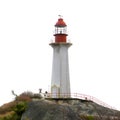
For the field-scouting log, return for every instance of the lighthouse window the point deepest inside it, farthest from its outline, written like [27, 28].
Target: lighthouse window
[60, 30]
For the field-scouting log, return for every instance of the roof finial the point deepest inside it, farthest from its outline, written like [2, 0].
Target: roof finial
[60, 16]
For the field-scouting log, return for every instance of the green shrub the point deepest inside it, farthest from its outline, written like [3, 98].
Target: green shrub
[19, 109]
[16, 112]
[90, 117]
[8, 116]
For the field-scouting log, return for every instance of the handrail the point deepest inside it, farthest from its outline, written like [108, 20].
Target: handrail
[91, 98]
[83, 97]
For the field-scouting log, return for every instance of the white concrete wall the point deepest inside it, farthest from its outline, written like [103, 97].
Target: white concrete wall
[60, 84]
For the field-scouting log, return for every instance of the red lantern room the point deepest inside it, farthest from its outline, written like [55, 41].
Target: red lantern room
[60, 31]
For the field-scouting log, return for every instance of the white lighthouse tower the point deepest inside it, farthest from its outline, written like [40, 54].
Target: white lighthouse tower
[60, 83]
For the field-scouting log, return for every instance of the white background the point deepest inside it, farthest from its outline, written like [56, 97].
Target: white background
[26, 29]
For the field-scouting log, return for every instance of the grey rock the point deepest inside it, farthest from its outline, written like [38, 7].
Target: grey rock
[64, 109]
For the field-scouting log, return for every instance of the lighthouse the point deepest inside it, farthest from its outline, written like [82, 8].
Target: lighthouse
[60, 83]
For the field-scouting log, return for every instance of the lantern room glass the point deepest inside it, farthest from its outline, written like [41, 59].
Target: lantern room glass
[60, 30]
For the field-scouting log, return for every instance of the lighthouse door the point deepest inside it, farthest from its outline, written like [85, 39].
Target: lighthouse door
[55, 92]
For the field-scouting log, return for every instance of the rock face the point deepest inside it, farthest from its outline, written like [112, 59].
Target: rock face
[64, 109]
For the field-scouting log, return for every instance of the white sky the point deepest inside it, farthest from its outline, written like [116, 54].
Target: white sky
[26, 28]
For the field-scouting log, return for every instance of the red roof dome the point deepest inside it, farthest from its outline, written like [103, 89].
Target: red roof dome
[60, 23]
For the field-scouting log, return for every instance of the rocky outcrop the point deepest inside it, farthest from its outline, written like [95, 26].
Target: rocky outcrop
[65, 109]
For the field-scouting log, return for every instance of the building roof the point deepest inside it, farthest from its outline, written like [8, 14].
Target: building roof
[60, 23]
